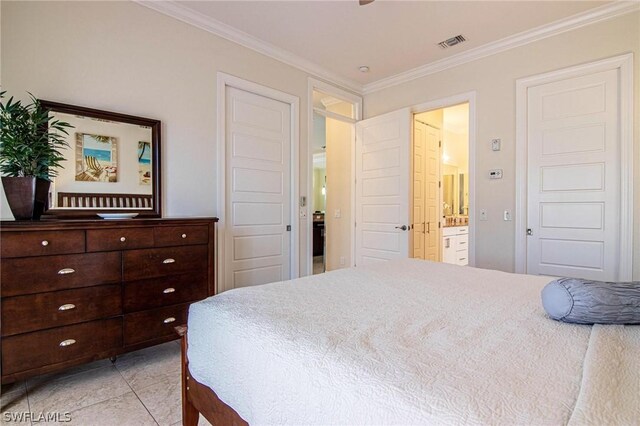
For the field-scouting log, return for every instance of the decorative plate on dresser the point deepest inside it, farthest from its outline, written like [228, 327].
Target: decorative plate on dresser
[77, 291]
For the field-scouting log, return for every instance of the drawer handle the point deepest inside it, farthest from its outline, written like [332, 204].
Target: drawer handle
[184, 235]
[168, 290]
[462, 242]
[44, 243]
[169, 260]
[463, 258]
[67, 307]
[123, 239]
[65, 271]
[169, 320]
[67, 342]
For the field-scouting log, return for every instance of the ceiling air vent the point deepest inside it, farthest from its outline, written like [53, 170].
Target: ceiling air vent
[451, 41]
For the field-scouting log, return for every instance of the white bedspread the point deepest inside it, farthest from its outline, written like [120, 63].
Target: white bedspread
[410, 342]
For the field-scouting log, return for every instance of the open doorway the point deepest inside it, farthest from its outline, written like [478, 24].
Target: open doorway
[319, 198]
[440, 190]
[331, 200]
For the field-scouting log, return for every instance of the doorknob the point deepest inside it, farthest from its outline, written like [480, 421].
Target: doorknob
[402, 228]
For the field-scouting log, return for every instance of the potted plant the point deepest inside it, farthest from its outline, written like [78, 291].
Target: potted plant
[30, 152]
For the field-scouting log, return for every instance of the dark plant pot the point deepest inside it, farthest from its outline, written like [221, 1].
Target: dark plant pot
[27, 196]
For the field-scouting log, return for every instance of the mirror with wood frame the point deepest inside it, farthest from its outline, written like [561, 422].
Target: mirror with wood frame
[112, 164]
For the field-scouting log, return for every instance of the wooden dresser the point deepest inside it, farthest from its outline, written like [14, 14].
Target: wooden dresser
[77, 291]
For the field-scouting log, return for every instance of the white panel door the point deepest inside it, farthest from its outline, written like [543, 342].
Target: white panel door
[573, 177]
[382, 187]
[418, 229]
[258, 189]
[433, 207]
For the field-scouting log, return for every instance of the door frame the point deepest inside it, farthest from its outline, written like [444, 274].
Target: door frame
[470, 98]
[225, 81]
[306, 222]
[624, 65]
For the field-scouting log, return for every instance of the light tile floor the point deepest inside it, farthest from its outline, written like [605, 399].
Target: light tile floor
[318, 265]
[141, 388]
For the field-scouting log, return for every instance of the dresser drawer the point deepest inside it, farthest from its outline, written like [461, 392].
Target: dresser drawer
[460, 230]
[22, 244]
[157, 323]
[180, 235]
[462, 242]
[22, 314]
[40, 348]
[154, 293]
[448, 231]
[38, 274]
[119, 239]
[149, 263]
[462, 258]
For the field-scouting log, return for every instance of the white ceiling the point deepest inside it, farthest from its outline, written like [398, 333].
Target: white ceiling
[389, 36]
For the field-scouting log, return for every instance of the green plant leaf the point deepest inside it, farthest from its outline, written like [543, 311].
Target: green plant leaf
[30, 139]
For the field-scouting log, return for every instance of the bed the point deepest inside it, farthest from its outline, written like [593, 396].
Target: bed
[404, 342]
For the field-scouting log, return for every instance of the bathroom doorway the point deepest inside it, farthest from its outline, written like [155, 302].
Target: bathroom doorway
[440, 185]
[331, 199]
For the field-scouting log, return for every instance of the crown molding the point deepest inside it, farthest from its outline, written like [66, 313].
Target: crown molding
[183, 13]
[573, 22]
[178, 11]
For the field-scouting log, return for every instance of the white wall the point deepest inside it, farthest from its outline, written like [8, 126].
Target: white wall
[319, 133]
[493, 78]
[455, 136]
[455, 147]
[123, 57]
[434, 118]
[339, 163]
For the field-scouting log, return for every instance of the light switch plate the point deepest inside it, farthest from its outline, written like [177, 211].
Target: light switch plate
[483, 214]
[495, 174]
[303, 213]
[495, 144]
[507, 215]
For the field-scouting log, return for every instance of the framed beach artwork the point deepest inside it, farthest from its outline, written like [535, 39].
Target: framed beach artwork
[144, 163]
[96, 158]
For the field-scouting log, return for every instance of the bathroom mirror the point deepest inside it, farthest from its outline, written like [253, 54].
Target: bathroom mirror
[112, 164]
[448, 195]
[463, 194]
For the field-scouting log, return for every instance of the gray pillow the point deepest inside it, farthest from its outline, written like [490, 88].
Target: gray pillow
[592, 302]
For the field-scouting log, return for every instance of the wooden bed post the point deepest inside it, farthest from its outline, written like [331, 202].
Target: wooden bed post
[190, 413]
[199, 399]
